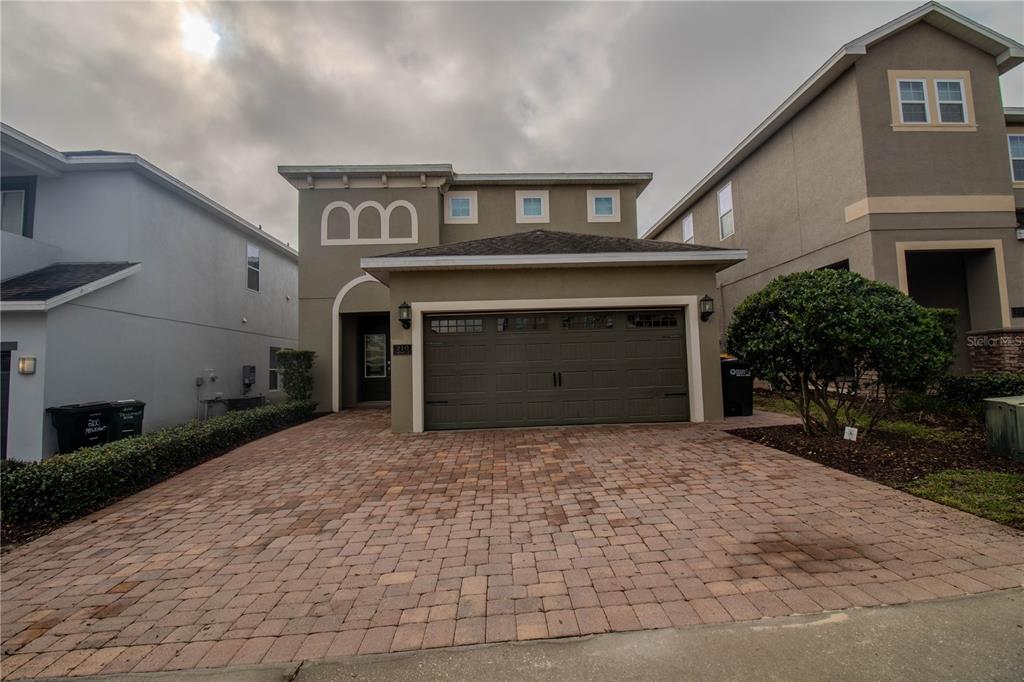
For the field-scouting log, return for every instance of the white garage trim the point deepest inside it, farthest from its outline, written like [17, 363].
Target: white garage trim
[689, 303]
[335, 338]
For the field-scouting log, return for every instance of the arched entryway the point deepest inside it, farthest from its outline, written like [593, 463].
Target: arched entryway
[364, 302]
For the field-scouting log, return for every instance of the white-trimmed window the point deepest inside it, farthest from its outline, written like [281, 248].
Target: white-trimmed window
[688, 228]
[12, 213]
[950, 97]
[532, 206]
[913, 100]
[273, 379]
[460, 208]
[252, 267]
[726, 224]
[1016, 157]
[603, 206]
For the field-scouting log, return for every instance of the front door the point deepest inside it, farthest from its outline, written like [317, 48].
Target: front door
[374, 360]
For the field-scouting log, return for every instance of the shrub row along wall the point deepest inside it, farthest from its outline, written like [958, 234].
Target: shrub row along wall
[68, 486]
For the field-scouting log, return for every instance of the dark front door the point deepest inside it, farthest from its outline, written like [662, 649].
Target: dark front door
[374, 359]
[573, 367]
[5, 399]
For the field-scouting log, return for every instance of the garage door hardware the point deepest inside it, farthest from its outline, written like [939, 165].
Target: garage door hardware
[556, 378]
[669, 395]
[437, 402]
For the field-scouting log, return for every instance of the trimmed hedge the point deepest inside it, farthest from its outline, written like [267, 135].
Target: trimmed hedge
[68, 486]
[968, 391]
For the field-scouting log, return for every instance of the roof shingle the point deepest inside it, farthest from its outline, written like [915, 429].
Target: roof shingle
[54, 280]
[537, 242]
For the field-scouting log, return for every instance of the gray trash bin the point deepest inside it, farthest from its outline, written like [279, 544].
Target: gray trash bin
[1004, 426]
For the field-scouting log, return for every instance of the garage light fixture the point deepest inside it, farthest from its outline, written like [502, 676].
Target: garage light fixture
[707, 308]
[27, 364]
[405, 315]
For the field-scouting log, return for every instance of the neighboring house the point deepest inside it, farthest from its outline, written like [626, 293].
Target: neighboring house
[474, 300]
[891, 160]
[120, 282]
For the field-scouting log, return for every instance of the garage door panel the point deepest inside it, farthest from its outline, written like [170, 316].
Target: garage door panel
[497, 370]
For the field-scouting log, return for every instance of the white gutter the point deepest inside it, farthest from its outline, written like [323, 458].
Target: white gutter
[42, 306]
[385, 264]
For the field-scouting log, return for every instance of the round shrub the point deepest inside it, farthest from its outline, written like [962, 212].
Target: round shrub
[839, 345]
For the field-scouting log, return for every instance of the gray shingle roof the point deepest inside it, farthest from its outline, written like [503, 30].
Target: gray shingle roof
[54, 280]
[537, 242]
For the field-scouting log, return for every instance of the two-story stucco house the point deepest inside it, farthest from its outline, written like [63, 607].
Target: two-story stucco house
[477, 300]
[892, 160]
[121, 282]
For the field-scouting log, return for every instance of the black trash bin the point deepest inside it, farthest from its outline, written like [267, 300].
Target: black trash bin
[737, 388]
[81, 425]
[127, 420]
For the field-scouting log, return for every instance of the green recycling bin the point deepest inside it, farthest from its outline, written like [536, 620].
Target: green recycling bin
[127, 418]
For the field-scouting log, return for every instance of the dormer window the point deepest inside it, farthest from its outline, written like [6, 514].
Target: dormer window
[460, 208]
[603, 206]
[532, 206]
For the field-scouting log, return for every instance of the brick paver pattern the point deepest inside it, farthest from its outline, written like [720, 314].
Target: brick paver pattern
[338, 537]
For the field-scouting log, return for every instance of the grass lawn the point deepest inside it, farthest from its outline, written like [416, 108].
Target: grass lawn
[990, 494]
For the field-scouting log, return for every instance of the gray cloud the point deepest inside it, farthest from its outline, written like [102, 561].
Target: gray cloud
[664, 87]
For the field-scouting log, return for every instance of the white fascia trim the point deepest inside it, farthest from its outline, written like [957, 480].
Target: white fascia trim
[690, 305]
[42, 306]
[422, 262]
[816, 84]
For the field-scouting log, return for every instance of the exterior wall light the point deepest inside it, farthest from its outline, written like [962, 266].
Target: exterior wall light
[27, 364]
[707, 308]
[405, 315]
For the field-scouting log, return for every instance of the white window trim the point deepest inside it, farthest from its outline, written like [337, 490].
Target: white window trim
[593, 195]
[962, 102]
[258, 268]
[927, 109]
[692, 238]
[732, 200]
[545, 215]
[471, 219]
[274, 370]
[1009, 149]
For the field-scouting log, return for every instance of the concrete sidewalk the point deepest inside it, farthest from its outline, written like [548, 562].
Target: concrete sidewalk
[969, 638]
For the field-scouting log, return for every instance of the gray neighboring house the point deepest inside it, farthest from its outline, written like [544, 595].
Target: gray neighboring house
[121, 282]
[896, 160]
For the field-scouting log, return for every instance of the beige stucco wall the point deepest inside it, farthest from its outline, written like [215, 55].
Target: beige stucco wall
[566, 283]
[900, 163]
[789, 195]
[496, 213]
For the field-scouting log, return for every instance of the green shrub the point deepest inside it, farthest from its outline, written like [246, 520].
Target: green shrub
[68, 486]
[296, 367]
[839, 345]
[969, 391]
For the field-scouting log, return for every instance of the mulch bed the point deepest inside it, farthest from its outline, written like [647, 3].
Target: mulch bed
[892, 459]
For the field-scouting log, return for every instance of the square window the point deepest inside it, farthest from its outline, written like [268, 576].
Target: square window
[533, 207]
[913, 105]
[604, 206]
[460, 207]
[950, 95]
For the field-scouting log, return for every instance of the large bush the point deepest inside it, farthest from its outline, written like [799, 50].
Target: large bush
[68, 486]
[839, 345]
[296, 367]
[969, 391]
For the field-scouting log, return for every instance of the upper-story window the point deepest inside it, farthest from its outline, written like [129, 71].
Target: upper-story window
[16, 203]
[252, 266]
[913, 102]
[603, 206]
[1017, 157]
[688, 228]
[931, 100]
[726, 225]
[532, 207]
[950, 97]
[460, 208]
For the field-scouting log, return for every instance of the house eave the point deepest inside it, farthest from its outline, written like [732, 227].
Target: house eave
[77, 292]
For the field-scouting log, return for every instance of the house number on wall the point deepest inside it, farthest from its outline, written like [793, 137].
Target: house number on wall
[401, 349]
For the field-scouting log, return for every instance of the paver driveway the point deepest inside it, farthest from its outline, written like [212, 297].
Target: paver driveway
[337, 537]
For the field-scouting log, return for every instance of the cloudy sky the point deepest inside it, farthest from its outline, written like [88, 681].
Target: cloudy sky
[219, 94]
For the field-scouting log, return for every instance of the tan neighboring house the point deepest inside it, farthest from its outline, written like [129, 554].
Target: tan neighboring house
[897, 160]
[479, 300]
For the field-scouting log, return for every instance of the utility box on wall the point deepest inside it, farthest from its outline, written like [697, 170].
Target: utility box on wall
[1004, 426]
[248, 377]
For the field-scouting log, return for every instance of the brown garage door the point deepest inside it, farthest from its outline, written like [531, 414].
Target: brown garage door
[576, 367]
